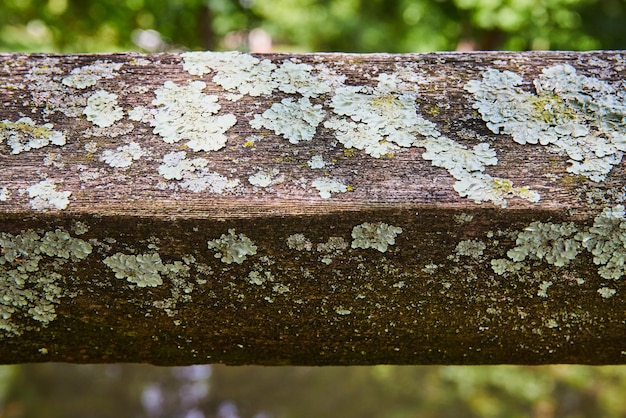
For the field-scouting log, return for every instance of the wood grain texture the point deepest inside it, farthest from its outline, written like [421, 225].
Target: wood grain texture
[310, 293]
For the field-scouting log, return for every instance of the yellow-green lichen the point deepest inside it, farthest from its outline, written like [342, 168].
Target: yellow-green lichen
[582, 117]
[25, 134]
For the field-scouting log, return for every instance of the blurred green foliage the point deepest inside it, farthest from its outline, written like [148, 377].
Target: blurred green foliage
[310, 25]
[112, 391]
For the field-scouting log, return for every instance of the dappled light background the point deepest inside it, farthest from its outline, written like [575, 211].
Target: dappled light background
[142, 391]
[310, 25]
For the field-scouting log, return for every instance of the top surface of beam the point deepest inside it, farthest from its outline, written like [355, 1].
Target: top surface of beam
[205, 134]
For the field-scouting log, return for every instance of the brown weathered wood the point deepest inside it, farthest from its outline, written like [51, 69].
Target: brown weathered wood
[507, 280]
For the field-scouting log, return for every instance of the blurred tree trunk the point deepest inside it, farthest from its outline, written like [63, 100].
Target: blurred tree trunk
[205, 26]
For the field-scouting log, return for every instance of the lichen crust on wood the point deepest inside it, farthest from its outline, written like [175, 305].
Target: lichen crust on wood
[313, 209]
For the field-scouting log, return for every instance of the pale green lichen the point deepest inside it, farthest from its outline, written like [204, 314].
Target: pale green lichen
[233, 71]
[606, 292]
[44, 195]
[554, 243]
[186, 113]
[502, 265]
[299, 242]
[232, 248]
[299, 78]
[144, 270]
[559, 244]
[28, 289]
[259, 278]
[295, 120]
[606, 240]
[378, 121]
[60, 243]
[102, 109]
[25, 134]
[580, 116]
[248, 75]
[332, 248]
[377, 235]
[471, 248]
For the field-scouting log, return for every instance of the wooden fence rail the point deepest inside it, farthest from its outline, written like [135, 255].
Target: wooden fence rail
[321, 209]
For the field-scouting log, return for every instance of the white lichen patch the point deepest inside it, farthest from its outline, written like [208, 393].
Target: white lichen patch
[580, 116]
[248, 75]
[326, 186]
[316, 162]
[377, 235]
[25, 134]
[543, 289]
[143, 270]
[378, 121]
[89, 75]
[232, 248]
[176, 165]
[193, 174]
[185, 113]
[295, 120]
[102, 109]
[29, 284]
[233, 71]
[44, 195]
[205, 180]
[265, 178]
[5, 194]
[123, 156]
[140, 114]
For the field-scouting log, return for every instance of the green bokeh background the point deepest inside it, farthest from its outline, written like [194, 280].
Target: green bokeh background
[308, 25]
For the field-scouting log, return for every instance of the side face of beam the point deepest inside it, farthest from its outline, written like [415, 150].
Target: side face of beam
[312, 209]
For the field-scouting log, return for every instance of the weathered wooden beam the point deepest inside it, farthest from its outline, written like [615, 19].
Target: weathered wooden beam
[313, 209]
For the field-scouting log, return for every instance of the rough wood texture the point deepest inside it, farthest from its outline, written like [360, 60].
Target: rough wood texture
[313, 209]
